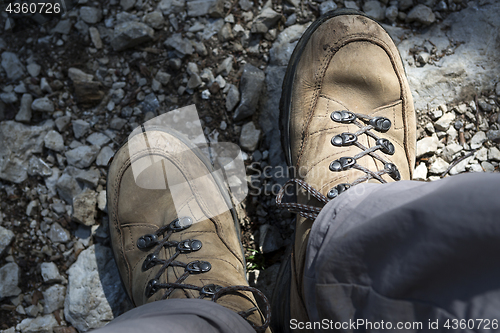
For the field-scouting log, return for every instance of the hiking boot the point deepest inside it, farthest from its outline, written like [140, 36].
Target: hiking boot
[347, 117]
[169, 235]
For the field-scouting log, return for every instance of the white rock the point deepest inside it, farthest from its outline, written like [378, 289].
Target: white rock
[420, 172]
[95, 36]
[33, 69]
[374, 9]
[42, 104]
[76, 74]
[50, 273]
[83, 156]
[427, 145]
[249, 137]
[43, 324]
[102, 200]
[12, 66]
[53, 140]
[84, 207]
[478, 139]
[54, 298]
[98, 139]
[6, 237]
[444, 122]
[488, 167]
[482, 154]
[94, 290]
[90, 15]
[439, 166]
[327, 6]
[460, 167]
[104, 156]
[476, 168]
[9, 279]
[58, 234]
[494, 154]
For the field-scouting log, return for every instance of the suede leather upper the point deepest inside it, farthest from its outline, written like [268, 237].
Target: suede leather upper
[135, 211]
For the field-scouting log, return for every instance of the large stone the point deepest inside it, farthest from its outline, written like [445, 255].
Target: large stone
[439, 166]
[50, 273]
[130, 34]
[95, 294]
[83, 156]
[42, 104]
[422, 14]
[127, 4]
[6, 237]
[80, 128]
[478, 139]
[232, 98]
[54, 298]
[104, 156]
[42, 324]
[269, 116]
[18, 142]
[76, 74]
[225, 67]
[168, 7]
[471, 66]
[374, 9]
[265, 20]
[90, 15]
[154, 19]
[251, 85]
[12, 66]
[249, 137]
[53, 140]
[420, 172]
[63, 27]
[427, 145]
[84, 207]
[58, 234]
[444, 122]
[9, 279]
[199, 7]
[98, 139]
[181, 45]
[283, 47]
[24, 114]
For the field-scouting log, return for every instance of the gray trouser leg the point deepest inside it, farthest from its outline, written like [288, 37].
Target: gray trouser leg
[178, 316]
[408, 252]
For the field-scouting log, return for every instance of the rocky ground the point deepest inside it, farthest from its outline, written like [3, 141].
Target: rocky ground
[74, 87]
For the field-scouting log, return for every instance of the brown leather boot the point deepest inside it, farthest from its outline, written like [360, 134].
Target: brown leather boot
[347, 117]
[170, 236]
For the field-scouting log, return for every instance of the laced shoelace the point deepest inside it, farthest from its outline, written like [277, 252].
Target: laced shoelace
[366, 124]
[212, 291]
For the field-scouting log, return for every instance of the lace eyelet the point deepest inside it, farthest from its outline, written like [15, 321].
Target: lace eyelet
[386, 146]
[344, 139]
[149, 262]
[335, 191]
[392, 171]
[189, 245]
[147, 241]
[151, 288]
[198, 266]
[344, 117]
[181, 224]
[380, 124]
[210, 289]
[342, 164]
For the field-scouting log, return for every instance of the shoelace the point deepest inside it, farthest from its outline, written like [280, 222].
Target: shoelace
[212, 291]
[379, 124]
